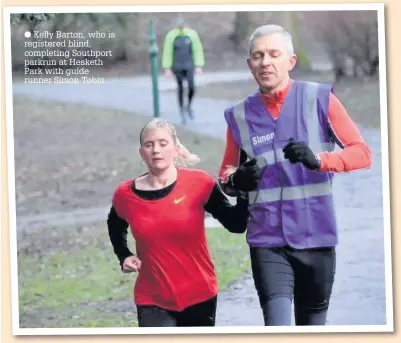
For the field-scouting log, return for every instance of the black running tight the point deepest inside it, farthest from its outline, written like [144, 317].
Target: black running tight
[189, 76]
[284, 274]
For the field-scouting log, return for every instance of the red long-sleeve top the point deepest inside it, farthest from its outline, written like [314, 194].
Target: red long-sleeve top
[355, 154]
[177, 270]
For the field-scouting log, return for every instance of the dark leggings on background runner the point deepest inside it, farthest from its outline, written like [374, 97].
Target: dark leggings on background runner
[180, 76]
[282, 274]
[202, 314]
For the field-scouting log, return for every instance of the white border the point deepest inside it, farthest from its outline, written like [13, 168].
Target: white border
[194, 8]
[2, 203]
[381, 25]
[11, 176]
[379, 7]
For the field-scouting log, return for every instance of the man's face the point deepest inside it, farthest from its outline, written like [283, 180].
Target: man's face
[270, 62]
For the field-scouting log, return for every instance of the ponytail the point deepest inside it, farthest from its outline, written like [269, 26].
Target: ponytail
[185, 157]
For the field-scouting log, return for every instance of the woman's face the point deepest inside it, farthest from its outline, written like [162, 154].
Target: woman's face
[158, 149]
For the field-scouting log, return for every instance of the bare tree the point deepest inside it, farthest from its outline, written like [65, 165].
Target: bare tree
[241, 29]
[350, 38]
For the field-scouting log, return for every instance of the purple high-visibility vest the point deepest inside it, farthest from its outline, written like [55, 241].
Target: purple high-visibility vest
[292, 204]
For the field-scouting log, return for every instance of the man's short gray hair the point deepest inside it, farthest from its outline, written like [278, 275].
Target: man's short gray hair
[266, 30]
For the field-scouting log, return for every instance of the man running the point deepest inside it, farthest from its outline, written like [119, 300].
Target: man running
[288, 129]
[183, 56]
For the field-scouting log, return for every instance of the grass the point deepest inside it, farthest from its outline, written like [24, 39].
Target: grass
[70, 277]
[70, 156]
[76, 274]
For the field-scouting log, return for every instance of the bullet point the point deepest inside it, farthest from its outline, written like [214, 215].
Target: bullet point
[27, 34]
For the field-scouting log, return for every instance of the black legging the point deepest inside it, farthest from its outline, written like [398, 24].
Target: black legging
[201, 314]
[180, 75]
[281, 274]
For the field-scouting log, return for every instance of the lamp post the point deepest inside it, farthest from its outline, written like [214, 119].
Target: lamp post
[153, 53]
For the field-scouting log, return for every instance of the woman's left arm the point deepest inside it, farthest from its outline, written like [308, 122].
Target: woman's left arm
[233, 217]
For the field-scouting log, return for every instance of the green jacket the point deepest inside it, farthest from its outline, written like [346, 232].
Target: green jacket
[182, 50]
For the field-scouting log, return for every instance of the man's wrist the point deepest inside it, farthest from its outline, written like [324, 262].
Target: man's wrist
[226, 187]
[318, 161]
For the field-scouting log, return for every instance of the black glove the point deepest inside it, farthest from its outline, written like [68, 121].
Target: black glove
[246, 177]
[299, 152]
[228, 188]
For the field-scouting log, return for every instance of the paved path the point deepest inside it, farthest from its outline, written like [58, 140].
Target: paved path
[359, 293]
[30, 223]
[134, 94]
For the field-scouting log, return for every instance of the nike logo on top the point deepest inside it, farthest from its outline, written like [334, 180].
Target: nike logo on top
[262, 139]
[176, 201]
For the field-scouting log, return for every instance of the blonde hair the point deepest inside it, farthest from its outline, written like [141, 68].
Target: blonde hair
[185, 157]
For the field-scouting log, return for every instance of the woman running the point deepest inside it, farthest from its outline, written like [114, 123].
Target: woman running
[165, 208]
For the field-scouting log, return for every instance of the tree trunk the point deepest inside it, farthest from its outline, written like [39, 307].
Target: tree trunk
[241, 28]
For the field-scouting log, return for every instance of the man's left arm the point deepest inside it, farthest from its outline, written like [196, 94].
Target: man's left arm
[197, 49]
[355, 153]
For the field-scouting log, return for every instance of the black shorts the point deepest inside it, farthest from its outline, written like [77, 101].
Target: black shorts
[201, 314]
[306, 276]
[187, 74]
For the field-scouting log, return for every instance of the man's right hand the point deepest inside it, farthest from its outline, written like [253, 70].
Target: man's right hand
[167, 72]
[246, 177]
[132, 264]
